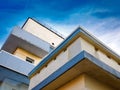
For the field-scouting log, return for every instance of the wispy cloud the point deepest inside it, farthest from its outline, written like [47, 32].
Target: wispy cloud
[112, 40]
[106, 29]
[100, 18]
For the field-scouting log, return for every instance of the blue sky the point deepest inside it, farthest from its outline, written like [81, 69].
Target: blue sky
[99, 17]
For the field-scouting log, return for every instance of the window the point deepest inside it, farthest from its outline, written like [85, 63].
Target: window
[29, 60]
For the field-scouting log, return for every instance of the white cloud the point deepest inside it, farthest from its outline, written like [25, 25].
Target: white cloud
[112, 40]
[64, 29]
[108, 31]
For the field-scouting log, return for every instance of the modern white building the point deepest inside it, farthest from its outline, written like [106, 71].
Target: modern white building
[22, 51]
[80, 62]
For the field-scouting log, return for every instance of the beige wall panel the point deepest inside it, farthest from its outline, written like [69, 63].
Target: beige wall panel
[93, 84]
[76, 84]
[85, 82]
[21, 53]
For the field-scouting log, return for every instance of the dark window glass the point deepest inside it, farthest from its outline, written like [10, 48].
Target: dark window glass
[29, 60]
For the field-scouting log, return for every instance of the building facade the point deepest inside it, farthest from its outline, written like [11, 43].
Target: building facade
[80, 62]
[22, 51]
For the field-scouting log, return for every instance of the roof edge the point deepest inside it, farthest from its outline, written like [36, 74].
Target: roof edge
[43, 26]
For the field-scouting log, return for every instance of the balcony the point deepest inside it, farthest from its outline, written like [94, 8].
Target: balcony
[13, 63]
[23, 39]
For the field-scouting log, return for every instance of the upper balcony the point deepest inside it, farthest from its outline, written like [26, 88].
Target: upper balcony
[23, 39]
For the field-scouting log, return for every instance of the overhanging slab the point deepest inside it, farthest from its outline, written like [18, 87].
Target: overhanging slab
[23, 39]
[82, 63]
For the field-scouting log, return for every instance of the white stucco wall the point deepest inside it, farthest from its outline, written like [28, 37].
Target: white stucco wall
[109, 61]
[85, 45]
[43, 33]
[74, 48]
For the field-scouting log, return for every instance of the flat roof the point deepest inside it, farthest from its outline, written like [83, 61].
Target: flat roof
[45, 26]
